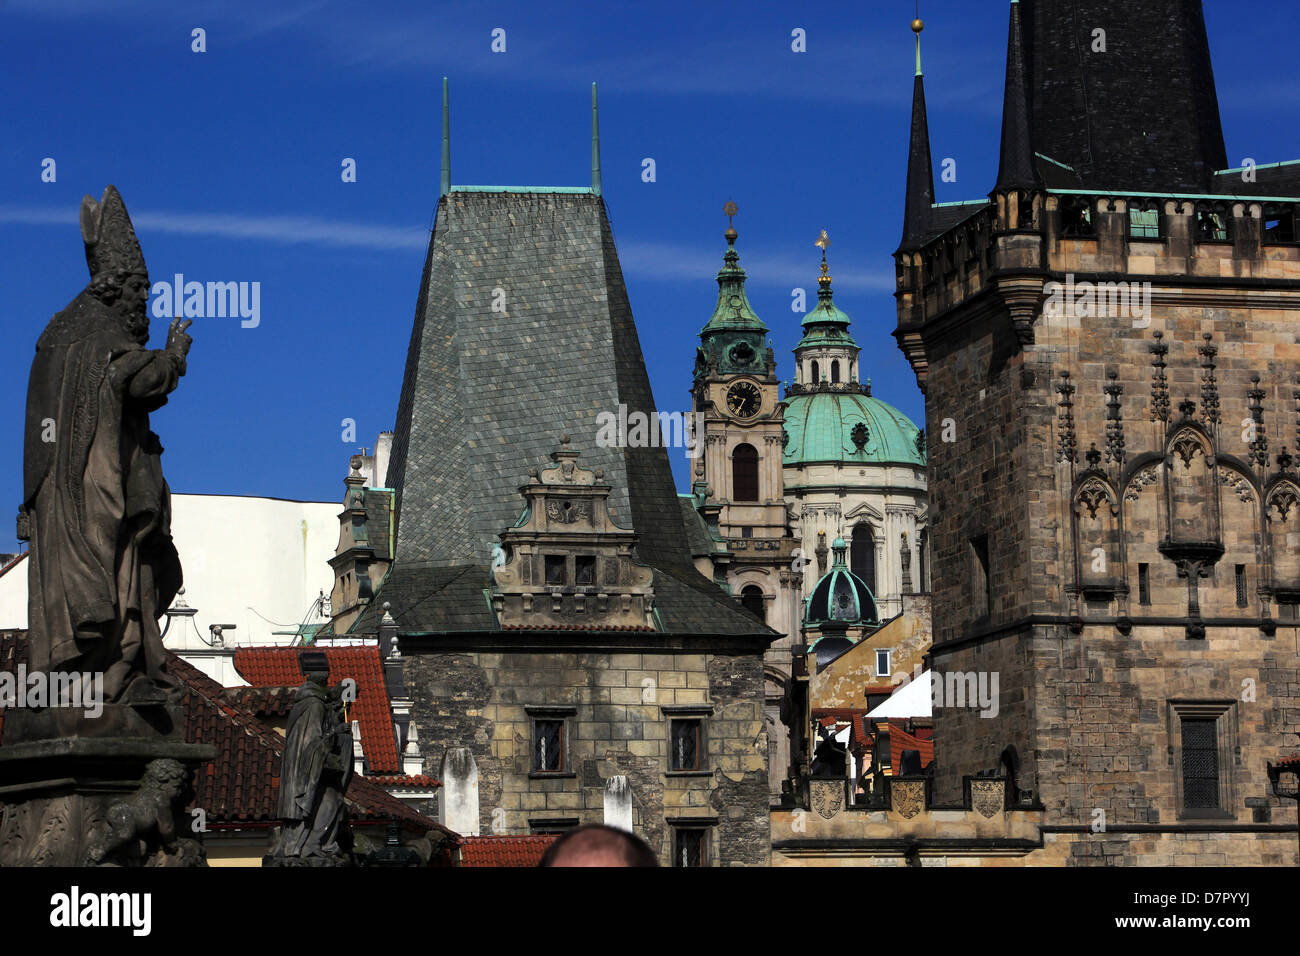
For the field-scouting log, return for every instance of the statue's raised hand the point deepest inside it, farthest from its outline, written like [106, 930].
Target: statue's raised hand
[177, 340]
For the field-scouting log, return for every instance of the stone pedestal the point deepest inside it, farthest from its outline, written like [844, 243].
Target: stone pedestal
[70, 782]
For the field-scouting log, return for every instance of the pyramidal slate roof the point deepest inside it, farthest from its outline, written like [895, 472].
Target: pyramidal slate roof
[1144, 114]
[523, 333]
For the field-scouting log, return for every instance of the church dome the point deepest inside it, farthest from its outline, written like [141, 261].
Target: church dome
[841, 595]
[848, 427]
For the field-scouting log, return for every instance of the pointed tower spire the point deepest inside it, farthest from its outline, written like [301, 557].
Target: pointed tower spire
[1016, 165]
[595, 143]
[920, 176]
[446, 142]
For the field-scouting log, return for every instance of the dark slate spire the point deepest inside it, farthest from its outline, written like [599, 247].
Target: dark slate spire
[523, 332]
[1142, 114]
[1016, 165]
[920, 176]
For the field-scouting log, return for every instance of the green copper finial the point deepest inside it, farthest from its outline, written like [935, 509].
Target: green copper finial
[595, 143]
[917, 26]
[733, 311]
[446, 142]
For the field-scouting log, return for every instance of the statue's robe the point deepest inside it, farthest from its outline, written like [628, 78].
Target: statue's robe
[314, 775]
[103, 567]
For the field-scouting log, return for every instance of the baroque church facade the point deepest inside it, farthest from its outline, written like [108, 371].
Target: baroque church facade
[785, 478]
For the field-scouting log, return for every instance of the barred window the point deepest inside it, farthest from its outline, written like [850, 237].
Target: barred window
[548, 746]
[686, 738]
[1200, 764]
[688, 846]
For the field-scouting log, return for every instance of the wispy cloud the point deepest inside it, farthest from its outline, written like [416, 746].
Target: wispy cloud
[673, 262]
[284, 230]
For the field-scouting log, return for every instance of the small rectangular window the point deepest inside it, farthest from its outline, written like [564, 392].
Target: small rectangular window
[584, 569]
[1200, 763]
[686, 741]
[1144, 583]
[1144, 223]
[1241, 585]
[981, 583]
[688, 846]
[555, 570]
[746, 532]
[548, 746]
[882, 663]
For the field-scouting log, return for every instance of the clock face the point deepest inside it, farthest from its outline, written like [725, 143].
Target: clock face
[744, 399]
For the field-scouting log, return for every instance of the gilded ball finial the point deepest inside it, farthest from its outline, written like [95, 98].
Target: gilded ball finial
[918, 25]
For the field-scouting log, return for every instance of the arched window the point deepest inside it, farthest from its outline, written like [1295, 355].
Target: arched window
[744, 473]
[751, 599]
[923, 547]
[816, 373]
[862, 554]
[835, 371]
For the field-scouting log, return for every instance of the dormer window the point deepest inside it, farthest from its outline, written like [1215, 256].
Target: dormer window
[555, 570]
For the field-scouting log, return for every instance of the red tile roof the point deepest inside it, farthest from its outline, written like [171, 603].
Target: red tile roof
[14, 562]
[504, 850]
[278, 667]
[900, 740]
[264, 701]
[243, 784]
[410, 780]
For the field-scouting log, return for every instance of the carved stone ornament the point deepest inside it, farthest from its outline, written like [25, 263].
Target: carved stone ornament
[907, 797]
[988, 797]
[827, 796]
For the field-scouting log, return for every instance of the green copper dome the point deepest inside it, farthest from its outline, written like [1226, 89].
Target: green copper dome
[848, 427]
[841, 595]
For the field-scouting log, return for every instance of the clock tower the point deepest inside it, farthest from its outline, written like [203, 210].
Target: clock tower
[736, 395]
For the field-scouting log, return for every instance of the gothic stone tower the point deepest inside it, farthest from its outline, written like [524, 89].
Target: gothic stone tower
[737, 394]
[550, 618]
[1113, 514]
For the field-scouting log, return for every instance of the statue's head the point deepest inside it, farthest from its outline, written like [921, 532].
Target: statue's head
[118, 276]
[166, 775]
[315, 666]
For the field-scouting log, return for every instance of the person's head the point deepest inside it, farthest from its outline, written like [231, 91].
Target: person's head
[595, 844]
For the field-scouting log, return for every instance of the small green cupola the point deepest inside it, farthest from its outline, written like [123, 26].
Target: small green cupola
[840, 596]
[734, 341]
[827, 352]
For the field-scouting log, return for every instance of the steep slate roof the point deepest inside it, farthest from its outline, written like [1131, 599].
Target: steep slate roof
[487, 394]
[1144, 115]
[278, 667]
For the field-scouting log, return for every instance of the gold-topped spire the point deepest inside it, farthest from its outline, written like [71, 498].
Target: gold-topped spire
[823, 242]
[729, 210]
[917, 26]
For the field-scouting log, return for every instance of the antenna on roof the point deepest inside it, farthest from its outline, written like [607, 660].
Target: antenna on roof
[446, 142]
[595, 144]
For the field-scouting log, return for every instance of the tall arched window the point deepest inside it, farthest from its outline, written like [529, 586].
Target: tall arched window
[816, 373]
[744, 473]
[862, 554]
[751, 599]
[923, 547]
[835, 370]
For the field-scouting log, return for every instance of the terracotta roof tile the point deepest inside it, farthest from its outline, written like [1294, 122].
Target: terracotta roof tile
[504, 850]
[278, 667]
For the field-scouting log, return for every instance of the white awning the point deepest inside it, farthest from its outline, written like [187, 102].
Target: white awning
[910, 700]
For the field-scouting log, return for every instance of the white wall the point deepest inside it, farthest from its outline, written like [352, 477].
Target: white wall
[247, 562]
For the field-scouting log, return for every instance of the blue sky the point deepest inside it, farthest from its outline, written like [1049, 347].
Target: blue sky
[229, 162]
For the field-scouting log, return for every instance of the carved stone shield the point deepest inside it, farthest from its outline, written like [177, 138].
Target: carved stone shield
[827, 796]
[988, 796]
[907, 797]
